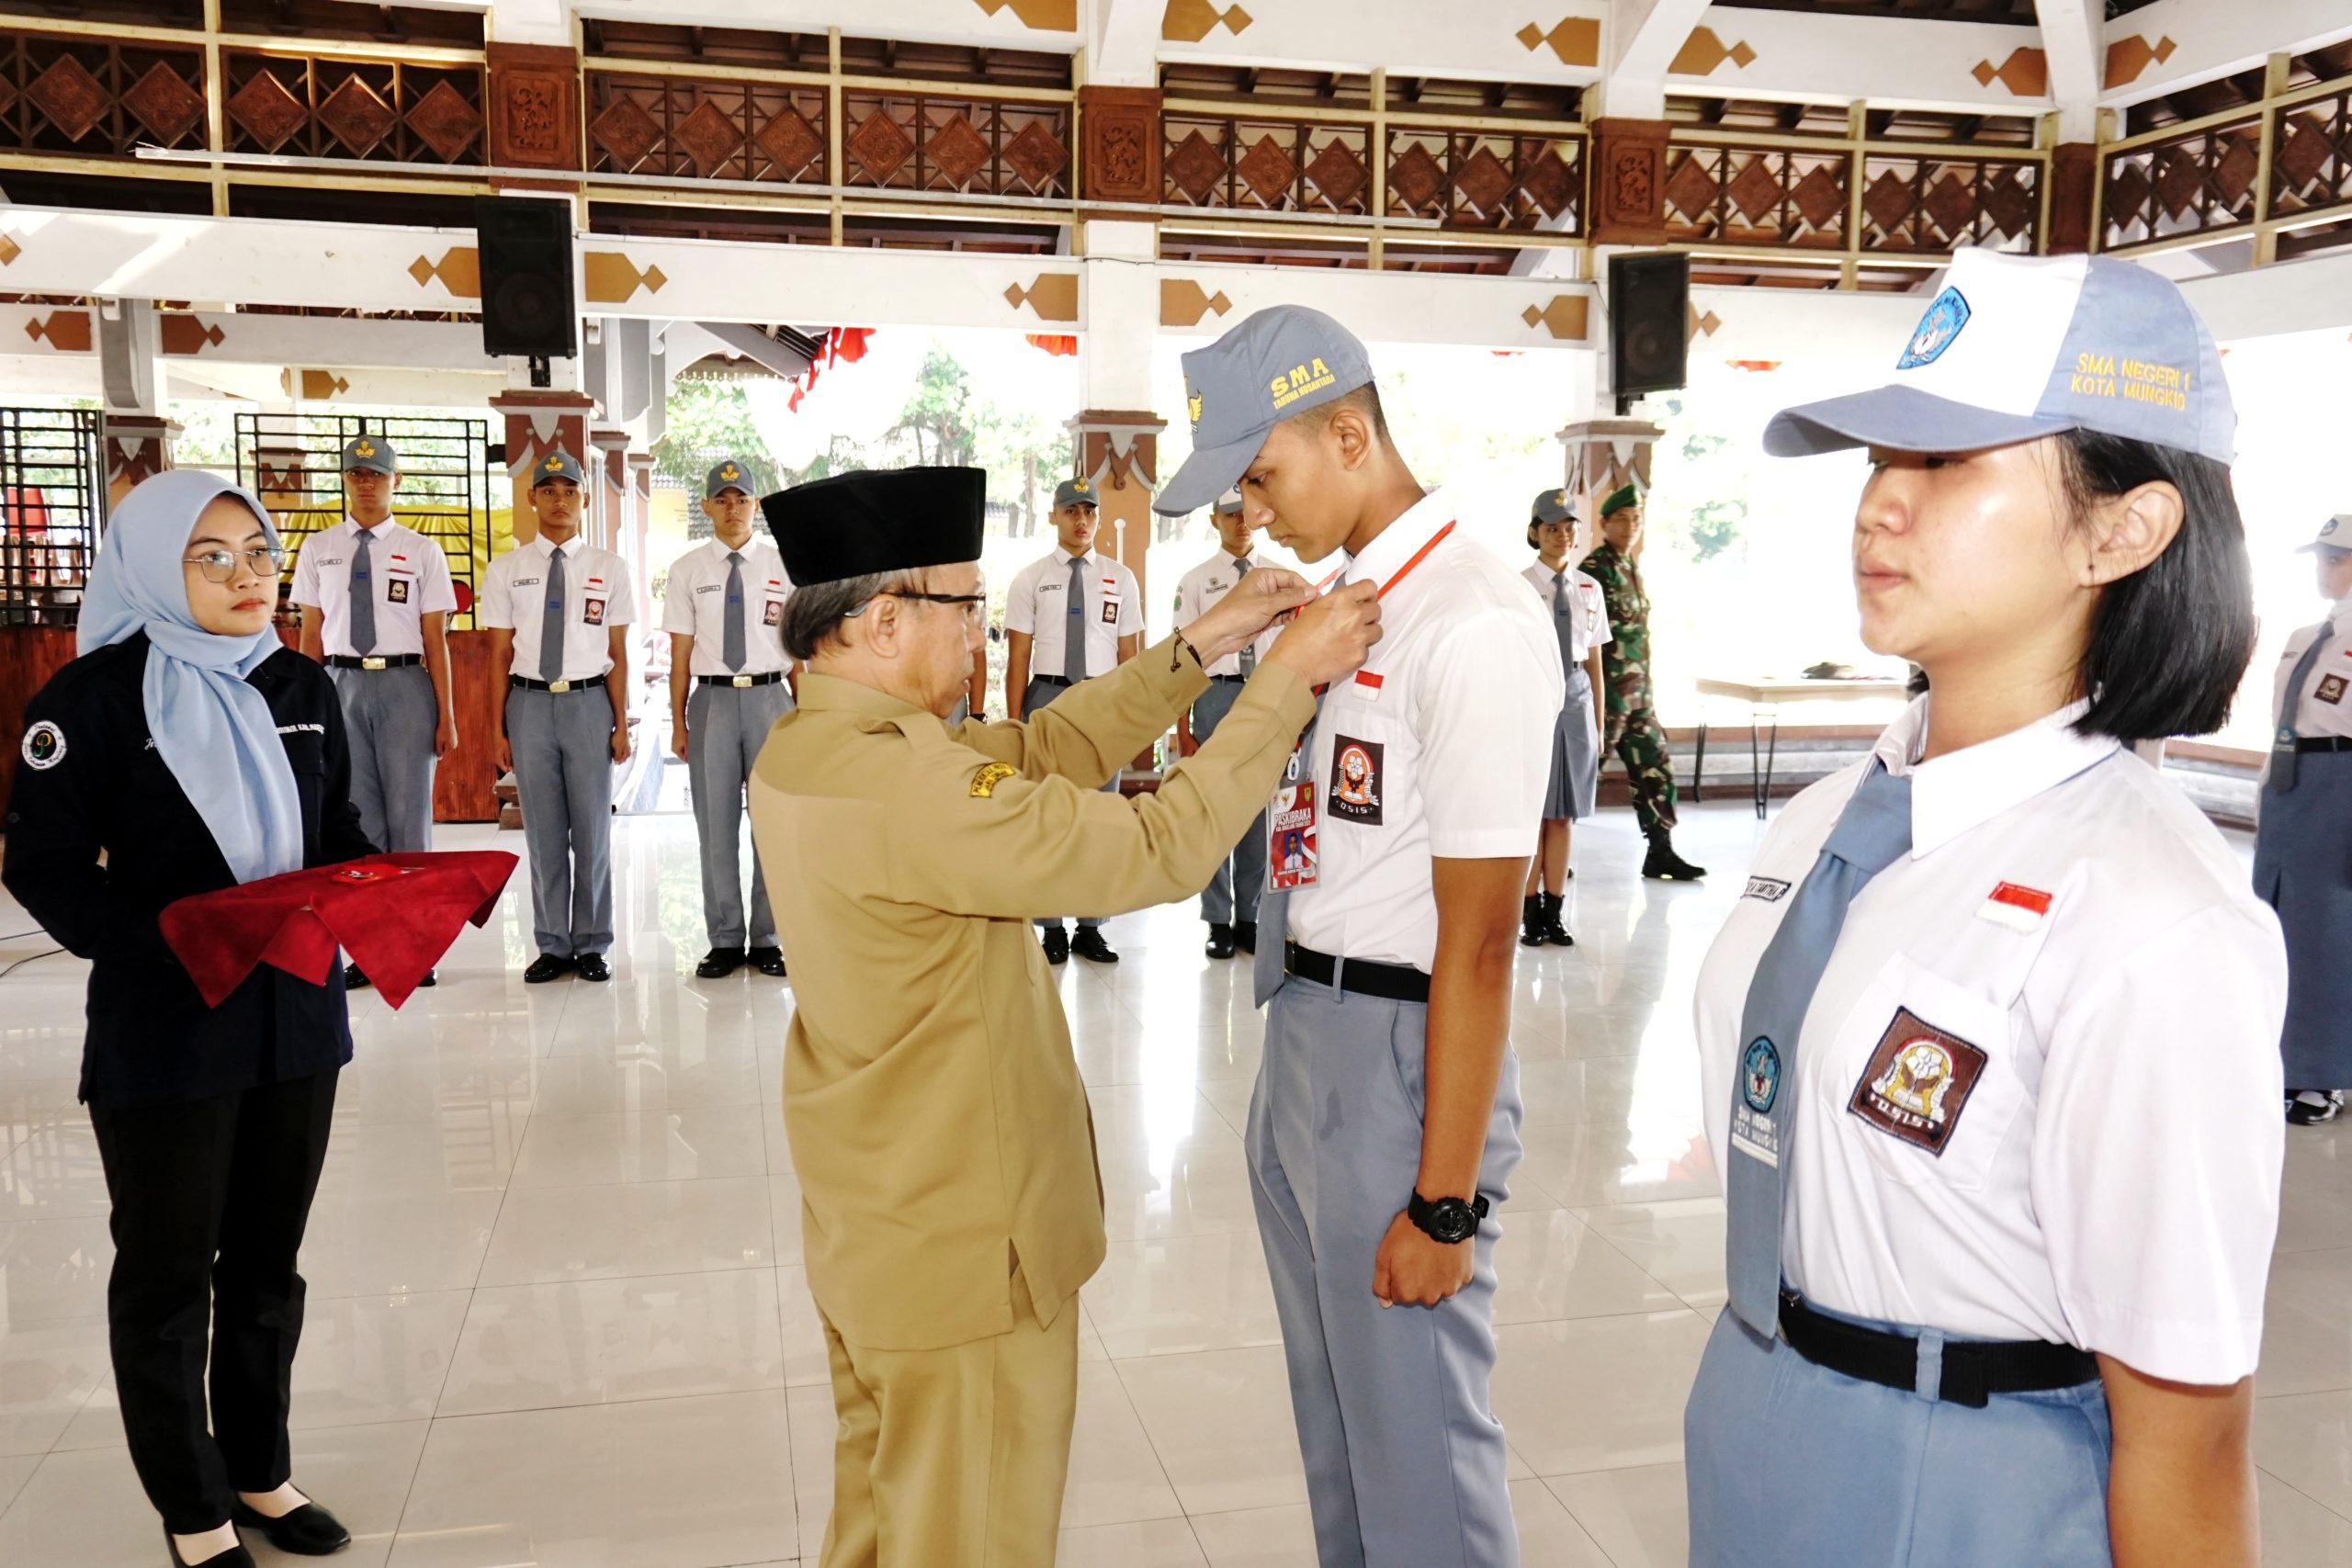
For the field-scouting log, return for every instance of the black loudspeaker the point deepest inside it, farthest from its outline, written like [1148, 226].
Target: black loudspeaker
[528, 304]
[1649, 316]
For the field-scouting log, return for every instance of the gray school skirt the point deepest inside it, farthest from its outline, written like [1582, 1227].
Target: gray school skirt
[1576, 754]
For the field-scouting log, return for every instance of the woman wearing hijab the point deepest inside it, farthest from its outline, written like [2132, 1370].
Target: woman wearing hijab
[186, 751]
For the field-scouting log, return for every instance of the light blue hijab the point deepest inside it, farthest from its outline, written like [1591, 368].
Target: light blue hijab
[215, 732]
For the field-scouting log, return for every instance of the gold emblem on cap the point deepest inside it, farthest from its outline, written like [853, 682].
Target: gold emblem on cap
[1079, 485]
[1192, 403]
[553, 464]
[360, 448]
[1560, 498]
[729, 472]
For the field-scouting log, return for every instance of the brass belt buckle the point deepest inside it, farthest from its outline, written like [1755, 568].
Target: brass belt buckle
[371, 663]
[558, 686]
[741, 681]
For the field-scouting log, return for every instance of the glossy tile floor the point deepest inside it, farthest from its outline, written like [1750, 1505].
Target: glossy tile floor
[558, 1317]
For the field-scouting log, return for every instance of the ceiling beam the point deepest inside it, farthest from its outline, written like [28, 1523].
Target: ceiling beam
[1650, 33]
[2071, 38]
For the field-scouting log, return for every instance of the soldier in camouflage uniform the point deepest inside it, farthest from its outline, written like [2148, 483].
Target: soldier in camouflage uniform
[1633, 732]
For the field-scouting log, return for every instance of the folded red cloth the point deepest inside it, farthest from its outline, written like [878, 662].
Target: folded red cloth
[397, 915]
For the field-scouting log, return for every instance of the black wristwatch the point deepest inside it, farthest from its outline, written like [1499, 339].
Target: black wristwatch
[1448, 1220]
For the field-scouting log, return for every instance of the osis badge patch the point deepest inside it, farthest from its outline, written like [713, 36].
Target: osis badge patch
[2331, 689]
[396, 591]
[1355, 780]
[1917, 1083]
[773, 615]
[592, 612]
[44, 746]
[1936, 330]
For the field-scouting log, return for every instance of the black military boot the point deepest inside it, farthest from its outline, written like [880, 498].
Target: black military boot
[1662, 864]
[1530, 921]
[1555, 933]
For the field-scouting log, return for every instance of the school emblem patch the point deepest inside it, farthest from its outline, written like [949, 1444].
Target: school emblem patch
[1760, 1075]
[984, 782]
[1936, 330]
[44, 746]
[2331, 689]
[396, 591]
[1917, 1083]
[1355, 780]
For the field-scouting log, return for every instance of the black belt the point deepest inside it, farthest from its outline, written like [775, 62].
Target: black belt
[2324, 743]
[1231, 680]
[1394, 982]
[1974, 1371]
[1053, 680]
[770, 679]
[373, 660]
[521, 682]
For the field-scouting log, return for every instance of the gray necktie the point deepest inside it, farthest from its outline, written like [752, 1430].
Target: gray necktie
[1074, 624]
[1874, 832]
[1269, 966]
[731, 642]
[2282, 750]
[1250, 648]
[1564, 619]
[363, 594]
[552, 621]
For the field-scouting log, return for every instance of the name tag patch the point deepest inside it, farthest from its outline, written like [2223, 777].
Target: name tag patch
[1355, 780]
[1917, 1083]
[1770, 889]
[2331, 689]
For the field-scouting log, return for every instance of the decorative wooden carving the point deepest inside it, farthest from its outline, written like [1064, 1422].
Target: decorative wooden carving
[1120, 126]
[162, 101]
[534, 106]
[69, 95]
[878, 146]
[444, 121]
[709, 136]
[790, 142]
[356, 116]
[265, 111]
[956, 150]
[1628, 182]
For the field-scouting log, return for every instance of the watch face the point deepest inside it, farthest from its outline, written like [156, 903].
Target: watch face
[1451, 1219]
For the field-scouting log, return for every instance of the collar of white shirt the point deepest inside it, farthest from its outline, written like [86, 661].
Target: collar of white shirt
[1965, 789]
[1064, 560]
[2341, 617]
[718, 550]
[1402, 540]
[547, 546]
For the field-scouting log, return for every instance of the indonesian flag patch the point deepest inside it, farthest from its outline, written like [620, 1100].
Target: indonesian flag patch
[2018, 908]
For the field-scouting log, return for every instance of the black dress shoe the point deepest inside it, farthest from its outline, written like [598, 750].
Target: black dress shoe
[545, 967]
[768, 961]
[1056, 944]
[719, 963]
[235, 1557]
[1220, 939]
[1089, 944]
[355, 978]
[591, 966]
[1245, 935]
[308, 1531]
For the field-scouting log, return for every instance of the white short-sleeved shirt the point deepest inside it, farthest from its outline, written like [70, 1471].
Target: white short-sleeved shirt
[1038, 605]
[1589, 624]
[598, 596]
[1203, 586]
[2326, 704]
[695, 605]
[2091, 1154]
[1439, 746]
[410, 575]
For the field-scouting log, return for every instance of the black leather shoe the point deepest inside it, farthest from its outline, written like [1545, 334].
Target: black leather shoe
[545, 967]
[430, 978]
[1089, 944]
[355, 978]
[1530, 921]
[1662, 864]
[308, 1531]
[235, 1557]
[1555, 933]
[591, 967]
[1056, 944]
[1245, 935]
[768, 961]
[1220, 939]
[719, 963]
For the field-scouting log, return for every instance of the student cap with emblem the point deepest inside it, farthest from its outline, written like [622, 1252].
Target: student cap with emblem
[1553, 506]
[557, 464]
[728, 474]
[2016, 347]
[373, 453]
[1278, 363]
[877, 520]
[1075, 492]
[2336, 534]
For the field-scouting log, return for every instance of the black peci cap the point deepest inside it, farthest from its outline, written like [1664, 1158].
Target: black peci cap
[877, 520]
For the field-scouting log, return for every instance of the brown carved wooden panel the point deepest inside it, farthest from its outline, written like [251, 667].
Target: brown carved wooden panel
[1629, 179]
[2311, 169]
[1265, 163]
[91, 97]
[1487, 179]
[1120, 126]
[1913, 205]
[379, 110]
[534, 106]
[464, 780]
[2200, 183]
[2074, 182]
[977, 146]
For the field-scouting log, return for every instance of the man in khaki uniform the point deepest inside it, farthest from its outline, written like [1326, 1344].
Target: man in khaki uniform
[952, 1204]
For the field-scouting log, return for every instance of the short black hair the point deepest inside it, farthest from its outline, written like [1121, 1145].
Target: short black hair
[2169, 644]
[1366, 398]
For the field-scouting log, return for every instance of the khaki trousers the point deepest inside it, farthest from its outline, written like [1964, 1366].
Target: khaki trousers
[954, 1458]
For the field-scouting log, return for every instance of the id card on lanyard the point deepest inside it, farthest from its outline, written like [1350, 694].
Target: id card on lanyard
[1295, 815]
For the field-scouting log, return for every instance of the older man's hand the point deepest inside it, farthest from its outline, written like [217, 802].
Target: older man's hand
[1257, 602]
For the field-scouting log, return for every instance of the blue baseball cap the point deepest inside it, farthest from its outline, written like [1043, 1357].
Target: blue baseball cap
[1276, 363]
[726, 475]
[557, 464]
[1078, 492]
[373, 453]
[1553, 506]
[2016, 347]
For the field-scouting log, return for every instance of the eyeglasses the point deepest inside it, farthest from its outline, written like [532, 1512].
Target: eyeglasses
[975, 604]
[221, 566]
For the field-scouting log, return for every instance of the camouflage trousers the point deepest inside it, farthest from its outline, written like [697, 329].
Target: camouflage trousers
[1640, 743]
